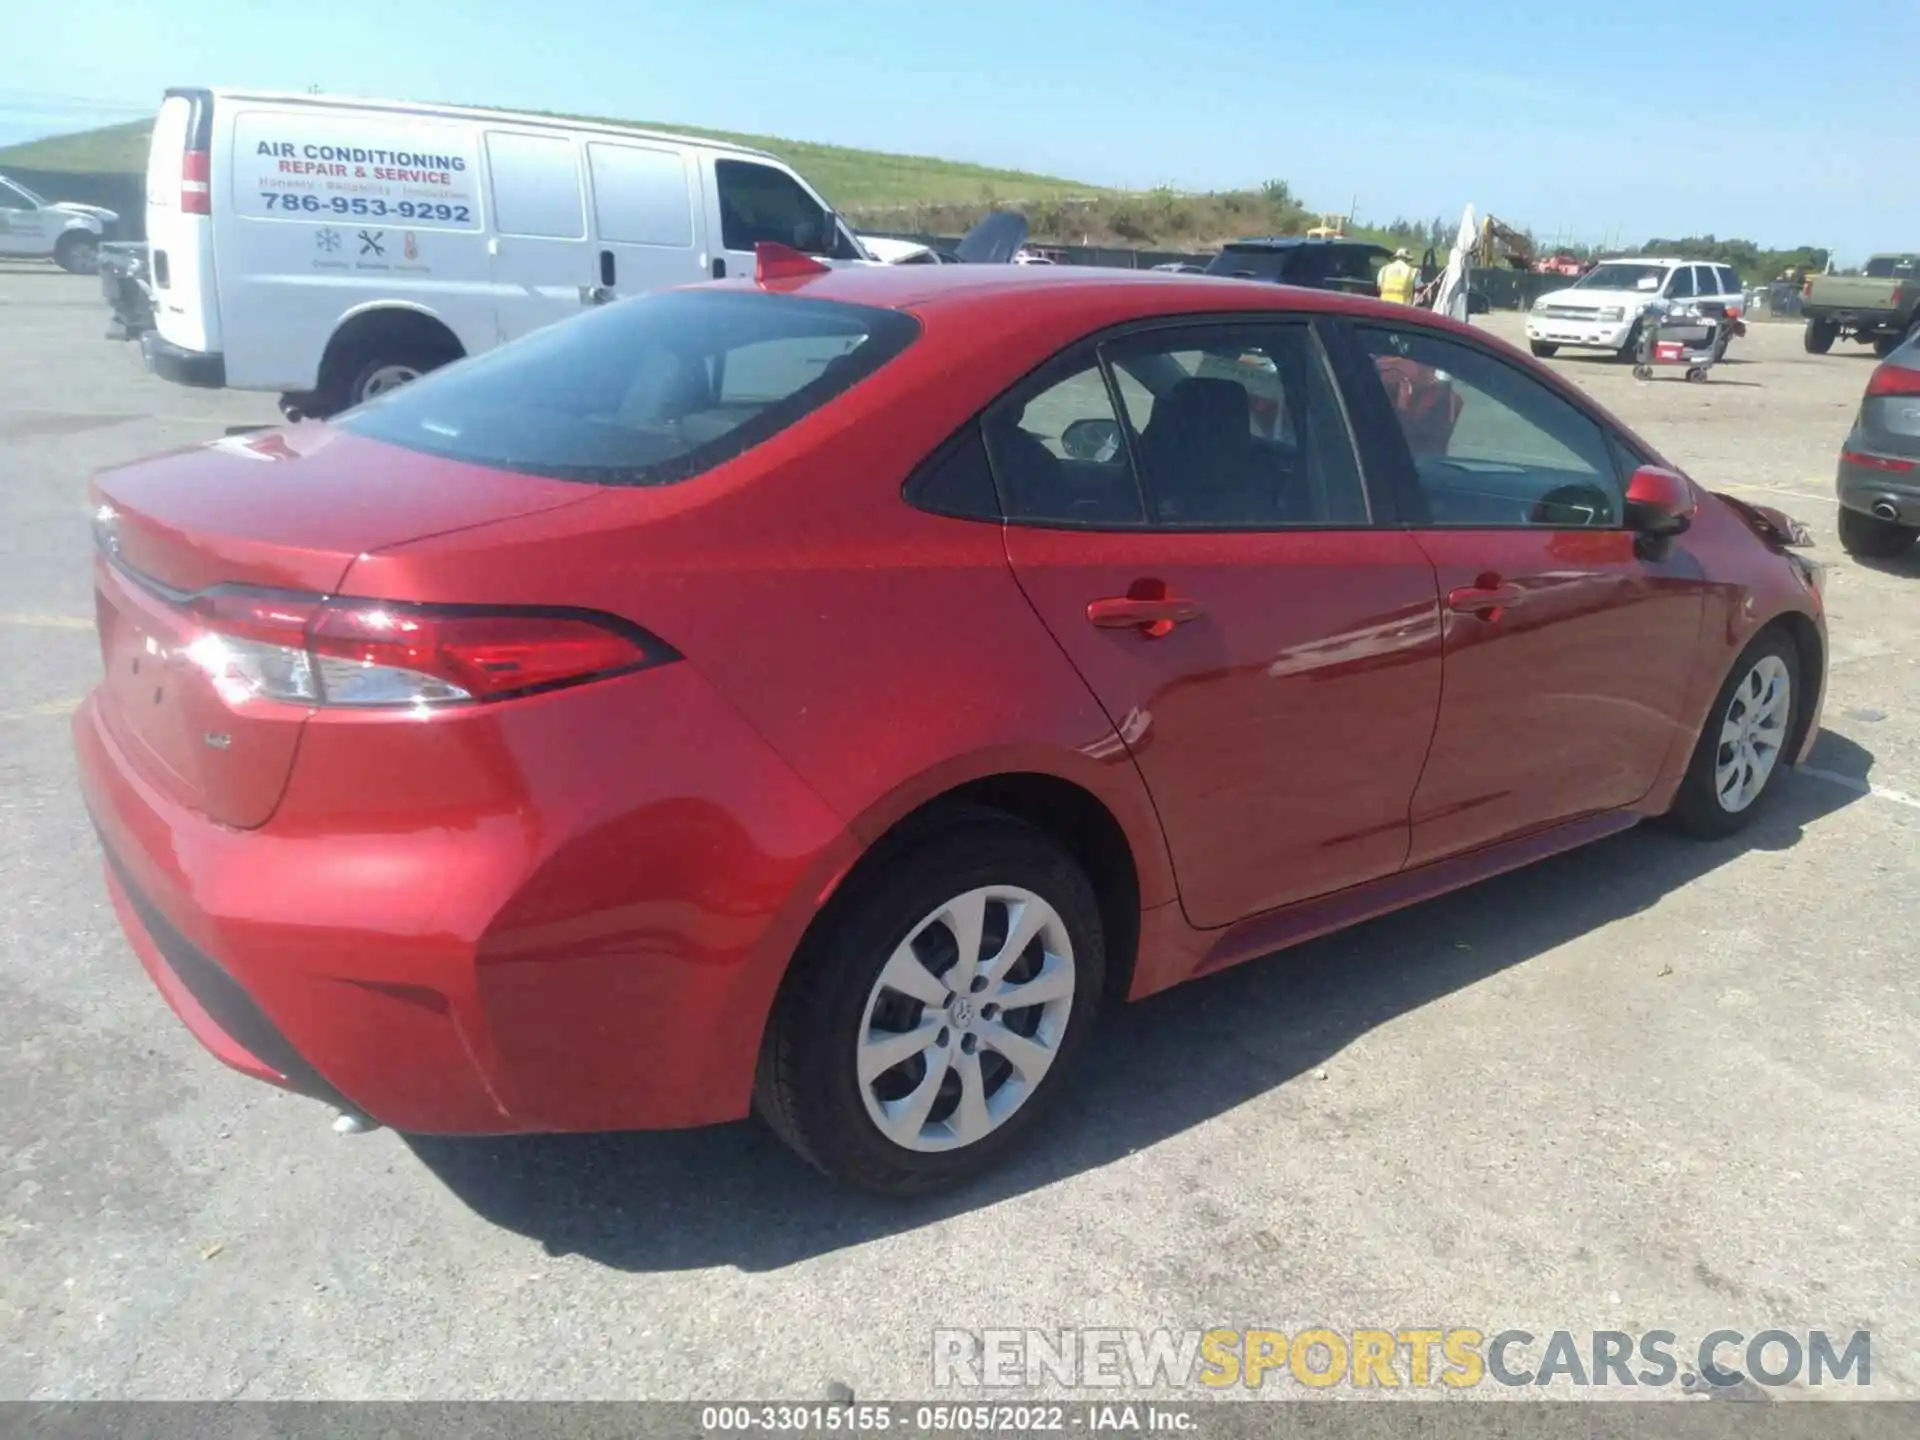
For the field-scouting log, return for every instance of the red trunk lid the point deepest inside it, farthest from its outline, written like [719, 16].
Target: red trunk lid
[279, 509]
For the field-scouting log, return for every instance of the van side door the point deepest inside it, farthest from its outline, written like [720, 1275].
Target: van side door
[645, 217]
[749, 201]
[543, 267]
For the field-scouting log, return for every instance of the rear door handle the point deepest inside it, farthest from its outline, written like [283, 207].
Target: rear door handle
[1485, 601]
[1151, 617]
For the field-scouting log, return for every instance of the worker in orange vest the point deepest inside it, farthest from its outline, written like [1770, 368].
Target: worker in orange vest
[1398, 278]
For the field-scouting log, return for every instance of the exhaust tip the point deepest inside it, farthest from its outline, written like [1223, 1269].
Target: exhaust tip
[1885, 510]
[352, 1122]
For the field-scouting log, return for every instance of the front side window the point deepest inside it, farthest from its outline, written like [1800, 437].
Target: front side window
[648, 391]
[758, 202]
[1492, 447]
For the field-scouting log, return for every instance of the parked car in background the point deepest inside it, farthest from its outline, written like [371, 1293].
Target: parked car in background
[331, 249]
[815, 697]
[64, 232]
[1606, 308]
[1880, 306]
[1879, 479]
[1317, 263]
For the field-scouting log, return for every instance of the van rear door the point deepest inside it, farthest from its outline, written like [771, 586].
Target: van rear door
[186, 306]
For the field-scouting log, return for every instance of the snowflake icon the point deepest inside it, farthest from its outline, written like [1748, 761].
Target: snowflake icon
[328, 240]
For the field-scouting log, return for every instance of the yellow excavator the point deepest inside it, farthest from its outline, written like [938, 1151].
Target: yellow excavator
[1499, 243]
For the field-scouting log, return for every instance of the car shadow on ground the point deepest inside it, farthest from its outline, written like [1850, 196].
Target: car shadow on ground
[734, 1196]
[1906, 564]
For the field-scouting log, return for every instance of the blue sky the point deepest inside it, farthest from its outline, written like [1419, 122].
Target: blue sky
[1598, 122]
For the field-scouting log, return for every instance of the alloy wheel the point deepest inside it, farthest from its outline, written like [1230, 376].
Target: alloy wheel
[965, 1019]
[386, 377]
[1752, 732]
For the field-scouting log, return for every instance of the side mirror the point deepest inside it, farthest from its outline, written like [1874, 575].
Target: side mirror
[1097, 440]
[1659, 503]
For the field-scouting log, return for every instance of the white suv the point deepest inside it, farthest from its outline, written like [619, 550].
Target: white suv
[1602, 310]
[60, 231]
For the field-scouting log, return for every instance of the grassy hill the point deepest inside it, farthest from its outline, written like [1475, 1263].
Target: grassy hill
[850, 178]
[875, 189]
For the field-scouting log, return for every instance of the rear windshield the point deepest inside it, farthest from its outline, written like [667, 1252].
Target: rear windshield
[1888, 267]
[644, 392]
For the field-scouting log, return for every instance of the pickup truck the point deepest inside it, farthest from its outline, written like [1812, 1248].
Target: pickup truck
[1876, 306]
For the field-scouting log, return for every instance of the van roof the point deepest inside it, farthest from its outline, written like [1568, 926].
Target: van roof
[474, 112]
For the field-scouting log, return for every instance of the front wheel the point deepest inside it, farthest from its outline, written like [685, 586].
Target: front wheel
[1543, 349]
[938, 1010]
[1871, 538]
[1630, 348]
[78, 253]
[1746, 734]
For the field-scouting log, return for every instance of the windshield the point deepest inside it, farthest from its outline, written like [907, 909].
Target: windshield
[1615, 276]
[23, 190]
[648, 391]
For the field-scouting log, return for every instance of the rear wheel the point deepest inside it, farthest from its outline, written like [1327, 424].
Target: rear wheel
[367, 366]
[78, 253]
[1543, 349]
[1885, 345]
[1740, 750]
[938, 1010]
[1871, 538]
[1819, 336]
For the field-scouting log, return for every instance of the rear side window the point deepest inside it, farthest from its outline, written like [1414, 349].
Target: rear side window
[1729, 281]
[536, 186]
[640, 196]
[648, 391]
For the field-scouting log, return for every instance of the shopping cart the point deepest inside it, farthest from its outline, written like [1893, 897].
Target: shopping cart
[1693, 335]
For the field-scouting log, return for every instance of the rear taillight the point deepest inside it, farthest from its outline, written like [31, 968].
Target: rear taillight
[306, 650]
[196, 183]
[1806, 288]
[1893, 380]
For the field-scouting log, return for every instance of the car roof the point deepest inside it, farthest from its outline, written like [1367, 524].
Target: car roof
[1094, 294]
[476, 112]
[1287, 242]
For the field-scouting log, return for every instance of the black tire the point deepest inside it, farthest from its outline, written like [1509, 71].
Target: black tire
[1698, 809]
[1630, 348]
[807, 1088]
[355, 376]
[1885, 345]
[78, 253]
[1870, 538]
[1819, 336]
[1543, 349]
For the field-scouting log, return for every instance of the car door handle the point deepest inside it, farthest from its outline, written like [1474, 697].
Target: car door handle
[1485, 601]
[1151, 617]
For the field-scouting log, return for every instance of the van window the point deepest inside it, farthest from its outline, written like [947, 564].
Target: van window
[640, 196]
[647, 391]
[536, 186]
[759, 203]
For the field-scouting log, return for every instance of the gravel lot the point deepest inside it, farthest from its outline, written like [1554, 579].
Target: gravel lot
[1655, 1084]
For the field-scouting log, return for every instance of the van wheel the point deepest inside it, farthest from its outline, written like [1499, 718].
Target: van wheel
[367, 368]
[938, 1010]
[78, 253]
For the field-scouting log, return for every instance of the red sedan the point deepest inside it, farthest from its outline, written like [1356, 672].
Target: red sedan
[813, 696]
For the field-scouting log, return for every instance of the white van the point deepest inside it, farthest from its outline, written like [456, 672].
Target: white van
[332, 248]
